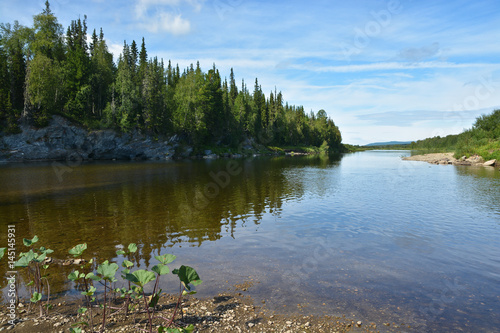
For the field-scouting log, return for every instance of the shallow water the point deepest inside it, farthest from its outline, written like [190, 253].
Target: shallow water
[366, 235]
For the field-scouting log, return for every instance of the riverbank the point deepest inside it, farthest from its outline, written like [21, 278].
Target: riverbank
[448, 158]
[226, 312]
[62, 140]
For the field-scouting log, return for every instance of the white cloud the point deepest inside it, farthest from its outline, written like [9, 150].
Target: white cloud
[142, 6]
[168, 22]
[164, 15]
[115, 48]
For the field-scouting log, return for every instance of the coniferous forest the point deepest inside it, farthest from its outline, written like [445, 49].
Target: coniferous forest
[47, 71]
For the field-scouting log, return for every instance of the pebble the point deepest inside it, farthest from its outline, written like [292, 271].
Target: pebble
[251, 324]
[359, 323]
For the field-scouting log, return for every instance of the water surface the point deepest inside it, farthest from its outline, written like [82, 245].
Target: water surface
[366, 235]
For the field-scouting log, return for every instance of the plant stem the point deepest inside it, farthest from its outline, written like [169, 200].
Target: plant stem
[149, 313]
[176, 306]
[104, 309]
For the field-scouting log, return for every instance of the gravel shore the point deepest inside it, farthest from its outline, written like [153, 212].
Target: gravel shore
[448, 158]
[226, 312]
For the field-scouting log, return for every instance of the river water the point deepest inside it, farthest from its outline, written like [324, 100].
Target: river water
[365, 235]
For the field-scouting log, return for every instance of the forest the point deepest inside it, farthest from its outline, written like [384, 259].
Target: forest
[45, 72]
[482, 139]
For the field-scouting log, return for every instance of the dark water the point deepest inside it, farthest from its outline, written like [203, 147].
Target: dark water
[366, 235]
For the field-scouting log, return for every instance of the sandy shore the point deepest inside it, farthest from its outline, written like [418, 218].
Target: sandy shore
[447, 158]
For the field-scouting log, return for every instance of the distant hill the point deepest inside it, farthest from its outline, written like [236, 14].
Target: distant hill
[389, 143]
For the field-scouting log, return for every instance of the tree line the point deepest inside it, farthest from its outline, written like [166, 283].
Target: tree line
[45, 72]
[482, 139]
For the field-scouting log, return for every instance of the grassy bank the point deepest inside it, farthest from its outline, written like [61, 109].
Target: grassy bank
[482, 139]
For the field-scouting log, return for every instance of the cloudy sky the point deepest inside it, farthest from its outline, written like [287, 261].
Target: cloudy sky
[383, 70]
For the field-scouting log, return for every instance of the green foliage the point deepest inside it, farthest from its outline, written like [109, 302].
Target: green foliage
[77, 251]
[2, 252]
[29, 242]
[140, 277]
[32, 262]
[482, 139]
[188, 276]
[44, 72]
[107, 271]
[35, 297]
[166, 258]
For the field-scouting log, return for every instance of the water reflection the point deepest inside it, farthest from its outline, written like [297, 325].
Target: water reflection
[151, 204]
[369, 235]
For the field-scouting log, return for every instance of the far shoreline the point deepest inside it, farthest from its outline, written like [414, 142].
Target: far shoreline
[449, 159]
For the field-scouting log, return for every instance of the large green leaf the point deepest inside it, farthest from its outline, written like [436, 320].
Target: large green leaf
[141, 277]
[93, 276]
[160, 269]
[107, 270]
[25, 259]
[166, 258]
[46, 251]
[40, 257]
[78, 250]
[127, 264]
[132, 247]
[73, 276]
[29, 242]
[188, 275]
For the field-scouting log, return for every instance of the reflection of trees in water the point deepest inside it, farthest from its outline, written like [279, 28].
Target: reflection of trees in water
[152, 205]
[482, 185]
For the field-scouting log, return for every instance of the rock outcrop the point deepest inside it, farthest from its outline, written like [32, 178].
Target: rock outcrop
[490, 163]
[61, 140]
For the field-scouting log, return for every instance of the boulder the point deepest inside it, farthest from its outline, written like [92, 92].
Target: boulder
[490, 163]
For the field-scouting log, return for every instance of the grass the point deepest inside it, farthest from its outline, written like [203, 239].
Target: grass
[488, 150]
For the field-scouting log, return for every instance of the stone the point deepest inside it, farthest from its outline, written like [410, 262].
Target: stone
[490, 163]
[63, 141]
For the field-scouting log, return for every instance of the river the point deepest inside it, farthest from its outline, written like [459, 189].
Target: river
[365, 234]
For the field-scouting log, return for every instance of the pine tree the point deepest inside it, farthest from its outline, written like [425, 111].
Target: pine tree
[233, 89]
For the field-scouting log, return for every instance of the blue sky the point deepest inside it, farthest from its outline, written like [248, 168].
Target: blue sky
[383, 70]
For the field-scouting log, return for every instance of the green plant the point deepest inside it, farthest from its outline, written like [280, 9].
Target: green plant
[106, 272]
[33, 262]
[87, 277]
[34, 259]
[127, 264]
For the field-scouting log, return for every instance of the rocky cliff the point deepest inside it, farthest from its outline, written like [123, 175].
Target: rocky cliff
[63, 141]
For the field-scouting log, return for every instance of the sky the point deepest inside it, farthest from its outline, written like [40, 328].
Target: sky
[386, 70]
